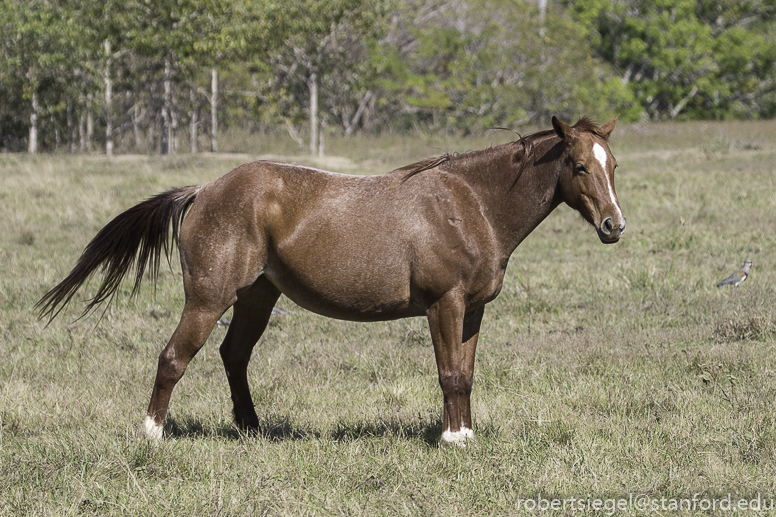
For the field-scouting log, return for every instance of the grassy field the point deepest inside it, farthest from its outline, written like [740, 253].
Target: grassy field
[602, 371]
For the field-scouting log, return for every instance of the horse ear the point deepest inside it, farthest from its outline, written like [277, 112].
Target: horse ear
[563, 130]
[607, 128]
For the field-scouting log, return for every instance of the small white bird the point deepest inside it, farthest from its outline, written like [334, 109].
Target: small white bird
[739, 276]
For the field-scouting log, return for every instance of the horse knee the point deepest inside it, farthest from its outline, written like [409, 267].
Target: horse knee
[171, 367]
[455, 383]
[467, 382]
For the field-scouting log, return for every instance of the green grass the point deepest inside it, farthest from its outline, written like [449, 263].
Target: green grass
[602, 370]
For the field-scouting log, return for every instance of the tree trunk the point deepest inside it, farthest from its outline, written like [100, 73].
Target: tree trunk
[166, 132]
[173, 122]
[213, 109]
[89, 123]
[151, 135]
[70, 129]
[108, 102]
[32, 145]
[320, 137]
[313, 84]
[126, 120]
[679, 107]
[193, 122]
[350, 123]
[369, 114]
[136, 126]
[294, 134]
[82, 131]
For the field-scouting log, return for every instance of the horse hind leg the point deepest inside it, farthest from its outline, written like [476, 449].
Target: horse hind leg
[193, 330]
[249, 320]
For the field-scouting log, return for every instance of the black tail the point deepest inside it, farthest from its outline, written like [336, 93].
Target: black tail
[136, 238]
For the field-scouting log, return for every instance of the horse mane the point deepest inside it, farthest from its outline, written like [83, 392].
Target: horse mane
[585, 123]
[423, 165]
[588, 123]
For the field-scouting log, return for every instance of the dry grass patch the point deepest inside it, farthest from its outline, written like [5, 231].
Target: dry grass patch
[601, 370]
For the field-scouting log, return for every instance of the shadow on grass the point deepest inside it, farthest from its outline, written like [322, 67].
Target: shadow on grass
[191, 427]
[272, 427]
[279, 428]
[427, 429]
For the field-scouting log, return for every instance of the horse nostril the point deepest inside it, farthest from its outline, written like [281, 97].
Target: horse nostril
[607, 225]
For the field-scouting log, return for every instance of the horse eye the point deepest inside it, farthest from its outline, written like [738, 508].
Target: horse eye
[580, 167]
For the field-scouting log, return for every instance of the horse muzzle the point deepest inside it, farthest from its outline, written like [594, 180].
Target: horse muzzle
[610, 231]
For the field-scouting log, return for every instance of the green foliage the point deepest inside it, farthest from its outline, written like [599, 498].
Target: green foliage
[45, 55]
[690, 58]
[491, 63]
[461, 65]
[329, 40]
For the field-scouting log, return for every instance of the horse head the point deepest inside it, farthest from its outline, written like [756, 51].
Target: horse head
[587, 179]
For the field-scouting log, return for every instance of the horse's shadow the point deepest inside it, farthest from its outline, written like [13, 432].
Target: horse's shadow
[280, 428]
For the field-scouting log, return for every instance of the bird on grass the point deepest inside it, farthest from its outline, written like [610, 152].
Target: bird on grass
[739, 276]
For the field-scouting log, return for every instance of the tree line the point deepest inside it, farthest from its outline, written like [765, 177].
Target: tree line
[165, 76]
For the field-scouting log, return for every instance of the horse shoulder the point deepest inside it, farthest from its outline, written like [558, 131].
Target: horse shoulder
[454, 243]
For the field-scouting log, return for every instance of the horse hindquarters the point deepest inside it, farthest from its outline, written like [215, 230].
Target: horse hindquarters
[220, 259]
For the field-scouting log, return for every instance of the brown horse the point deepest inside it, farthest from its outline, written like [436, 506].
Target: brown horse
[433, 238]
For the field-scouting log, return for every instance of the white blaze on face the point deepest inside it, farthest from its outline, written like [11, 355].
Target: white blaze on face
[600, 154]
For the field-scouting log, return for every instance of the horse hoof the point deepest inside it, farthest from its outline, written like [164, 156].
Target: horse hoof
[457, 438]
[247, 425]
[153, 431]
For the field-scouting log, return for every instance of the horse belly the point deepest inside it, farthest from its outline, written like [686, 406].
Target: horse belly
[346, 252]
[346, 287]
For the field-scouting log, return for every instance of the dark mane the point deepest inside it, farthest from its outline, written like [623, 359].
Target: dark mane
[585, 123]
[423, 165]
[412, 169]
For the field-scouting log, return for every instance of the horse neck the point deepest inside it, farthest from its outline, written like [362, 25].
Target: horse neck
[516, 201]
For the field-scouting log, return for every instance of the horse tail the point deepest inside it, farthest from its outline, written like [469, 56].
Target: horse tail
[135, 238]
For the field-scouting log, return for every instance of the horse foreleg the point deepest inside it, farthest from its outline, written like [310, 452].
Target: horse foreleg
[192, 332]
[249, 320]
[454, 335]
[471, 332]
